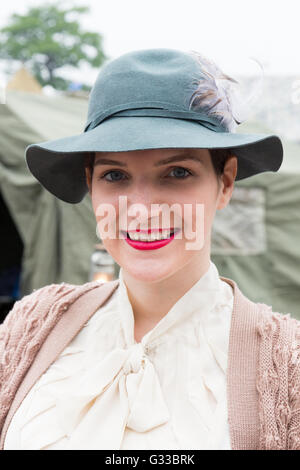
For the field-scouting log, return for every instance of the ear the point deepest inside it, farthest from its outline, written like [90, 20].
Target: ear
[228, 178]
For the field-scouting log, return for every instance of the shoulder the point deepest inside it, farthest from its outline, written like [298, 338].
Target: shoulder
[28, 307]
[47, 296]
[281, 331]
[269, 323]
[25, 318]
[37, 312]
[277, 325]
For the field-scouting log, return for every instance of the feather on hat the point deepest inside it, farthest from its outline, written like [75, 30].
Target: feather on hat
[216, 93]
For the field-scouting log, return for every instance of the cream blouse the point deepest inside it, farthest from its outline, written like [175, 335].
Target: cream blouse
[105, 391]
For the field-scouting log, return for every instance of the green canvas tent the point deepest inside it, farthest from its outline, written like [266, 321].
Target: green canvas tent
[255, 239]
[57, 238]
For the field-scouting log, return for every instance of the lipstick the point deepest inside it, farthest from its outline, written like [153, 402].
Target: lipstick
[153, 245]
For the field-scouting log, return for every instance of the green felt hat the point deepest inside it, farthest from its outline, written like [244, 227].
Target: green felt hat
[149, 99]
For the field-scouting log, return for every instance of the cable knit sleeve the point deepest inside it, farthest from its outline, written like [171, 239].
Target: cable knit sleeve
[293, 433]
[278, 382]
[23, 332]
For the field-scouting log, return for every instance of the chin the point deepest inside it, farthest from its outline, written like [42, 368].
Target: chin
[152, 271]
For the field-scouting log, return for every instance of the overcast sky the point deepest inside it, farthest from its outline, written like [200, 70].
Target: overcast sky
[229, 32]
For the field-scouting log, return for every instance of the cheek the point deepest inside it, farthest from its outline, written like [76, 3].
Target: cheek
[106, 214]
[201, 205]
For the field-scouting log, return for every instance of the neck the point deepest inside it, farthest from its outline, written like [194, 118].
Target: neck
[152, 301]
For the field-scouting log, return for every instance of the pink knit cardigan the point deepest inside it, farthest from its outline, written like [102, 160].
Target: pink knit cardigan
[263, 371]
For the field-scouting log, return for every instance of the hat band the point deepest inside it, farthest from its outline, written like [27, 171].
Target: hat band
[136, 110]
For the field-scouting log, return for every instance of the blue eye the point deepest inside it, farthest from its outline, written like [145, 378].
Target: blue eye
[181, 175]
[111, 180]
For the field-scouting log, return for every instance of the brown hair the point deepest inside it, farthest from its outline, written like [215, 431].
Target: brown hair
[89, 159]
[219, 157]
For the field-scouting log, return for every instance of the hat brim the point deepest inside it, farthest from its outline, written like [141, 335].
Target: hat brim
[59, 164]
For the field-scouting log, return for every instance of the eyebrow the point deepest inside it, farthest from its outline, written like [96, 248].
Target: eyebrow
[165, 161]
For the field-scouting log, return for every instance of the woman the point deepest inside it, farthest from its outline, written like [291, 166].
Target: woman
[170, 355]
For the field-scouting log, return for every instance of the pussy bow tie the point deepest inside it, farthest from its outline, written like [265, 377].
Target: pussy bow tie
[122, 390]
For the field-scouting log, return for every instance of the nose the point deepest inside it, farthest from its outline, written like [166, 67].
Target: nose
[142, 192]
[148, 199]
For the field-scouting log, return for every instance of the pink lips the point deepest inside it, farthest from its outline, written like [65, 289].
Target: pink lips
[139, 245]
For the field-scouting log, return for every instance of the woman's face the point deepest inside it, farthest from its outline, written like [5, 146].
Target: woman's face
[143, 177]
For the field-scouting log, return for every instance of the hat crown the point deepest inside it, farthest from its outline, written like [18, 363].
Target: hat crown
[161, 78]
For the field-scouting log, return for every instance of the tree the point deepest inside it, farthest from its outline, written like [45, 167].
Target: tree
[47, 38]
